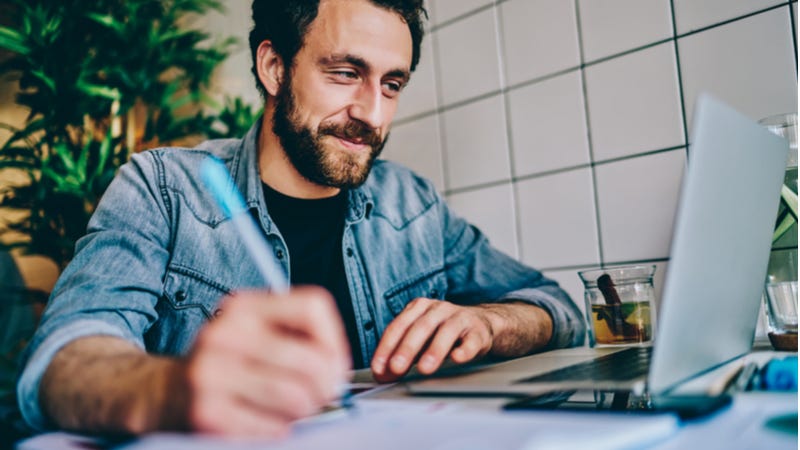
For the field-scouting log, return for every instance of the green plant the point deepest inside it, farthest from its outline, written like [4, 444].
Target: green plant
[787, 211]
[100, 80]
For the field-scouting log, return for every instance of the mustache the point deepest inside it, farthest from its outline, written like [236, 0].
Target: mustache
[353, 130]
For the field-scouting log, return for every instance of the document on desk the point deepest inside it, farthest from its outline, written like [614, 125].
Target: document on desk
[390, 425]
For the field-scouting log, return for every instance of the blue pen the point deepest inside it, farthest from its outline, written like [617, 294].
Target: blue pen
[217, 179]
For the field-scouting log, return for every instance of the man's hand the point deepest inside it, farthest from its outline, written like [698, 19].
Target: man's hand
[431, 330]
[266, 362]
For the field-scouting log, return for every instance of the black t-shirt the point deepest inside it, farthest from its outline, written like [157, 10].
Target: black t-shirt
[312, 230]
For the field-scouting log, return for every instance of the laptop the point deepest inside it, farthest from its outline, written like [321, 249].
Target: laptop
[712, 291]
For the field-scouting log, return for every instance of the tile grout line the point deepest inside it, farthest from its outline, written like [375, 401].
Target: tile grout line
[679, 74]
[442, 107]
[609, 264]
[792, 19]
[533, 176]
[440, 120]
[516, 202]
[590, 145]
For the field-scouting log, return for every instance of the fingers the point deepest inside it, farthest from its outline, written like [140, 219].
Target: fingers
[393, 334]
[268, 361]
[430, 330]
[308, 311]
[223, 415]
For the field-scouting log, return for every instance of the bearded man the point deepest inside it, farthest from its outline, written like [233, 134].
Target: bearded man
[162, 321]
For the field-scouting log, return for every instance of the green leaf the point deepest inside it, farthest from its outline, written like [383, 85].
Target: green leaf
[790, 197]
[13, 40]
[83, 160]
[97, 90]
[49, 82]
[108, 21]
[102, 155]
[62, 151]
[783, 227]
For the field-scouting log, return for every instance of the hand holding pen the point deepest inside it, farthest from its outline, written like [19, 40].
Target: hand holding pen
[270, 358]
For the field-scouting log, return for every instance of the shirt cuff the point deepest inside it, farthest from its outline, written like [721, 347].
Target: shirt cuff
[569, 329]
[31, 375]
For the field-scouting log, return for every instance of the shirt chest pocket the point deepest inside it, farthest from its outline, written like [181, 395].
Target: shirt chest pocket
[192, 293]
[431, 284]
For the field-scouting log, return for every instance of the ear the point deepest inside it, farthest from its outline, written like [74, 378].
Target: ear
[270, 67]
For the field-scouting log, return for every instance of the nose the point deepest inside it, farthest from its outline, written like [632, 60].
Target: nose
[368, 106]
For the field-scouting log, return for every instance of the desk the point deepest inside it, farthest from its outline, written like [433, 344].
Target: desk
[390, 418]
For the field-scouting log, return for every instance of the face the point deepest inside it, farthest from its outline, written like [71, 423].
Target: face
[335, 106]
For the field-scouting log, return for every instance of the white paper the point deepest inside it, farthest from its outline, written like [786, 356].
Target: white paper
[401, 425]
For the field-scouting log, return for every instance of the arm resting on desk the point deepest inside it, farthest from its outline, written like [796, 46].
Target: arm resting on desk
[106, 384]
[268, 361]
[432, 330]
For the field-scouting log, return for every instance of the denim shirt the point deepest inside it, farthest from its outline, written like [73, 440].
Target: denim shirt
[159, 254]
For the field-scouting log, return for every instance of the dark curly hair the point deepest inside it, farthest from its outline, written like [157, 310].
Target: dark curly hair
[285, 23]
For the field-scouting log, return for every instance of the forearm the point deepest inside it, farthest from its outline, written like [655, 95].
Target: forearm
[106, 384]
[517, 328]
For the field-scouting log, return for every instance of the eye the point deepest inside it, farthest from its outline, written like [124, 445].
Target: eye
[392, 88]
[346, 74]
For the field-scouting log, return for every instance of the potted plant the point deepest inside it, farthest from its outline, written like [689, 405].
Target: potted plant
[99, 81]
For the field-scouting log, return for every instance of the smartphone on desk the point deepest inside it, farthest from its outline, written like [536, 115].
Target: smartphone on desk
[687, 407]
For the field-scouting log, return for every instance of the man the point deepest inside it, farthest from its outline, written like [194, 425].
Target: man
[126, 343]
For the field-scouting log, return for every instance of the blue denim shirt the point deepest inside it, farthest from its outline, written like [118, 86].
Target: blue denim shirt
[159, 254]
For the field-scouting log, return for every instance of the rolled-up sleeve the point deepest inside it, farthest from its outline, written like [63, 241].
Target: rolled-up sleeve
[113, 283]
[479, 273]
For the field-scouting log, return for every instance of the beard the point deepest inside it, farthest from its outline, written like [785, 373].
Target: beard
[319, 163]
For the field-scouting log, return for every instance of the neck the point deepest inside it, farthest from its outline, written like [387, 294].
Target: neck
[277, 171]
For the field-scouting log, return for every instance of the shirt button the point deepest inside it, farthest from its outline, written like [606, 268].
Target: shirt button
[279, 254]
[434, 294]
[369, 325]
[180, 296]
[349, 252]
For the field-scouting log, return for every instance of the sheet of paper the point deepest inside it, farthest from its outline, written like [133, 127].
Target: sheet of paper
[396, 425]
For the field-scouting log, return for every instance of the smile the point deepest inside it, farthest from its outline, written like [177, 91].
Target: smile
[351, 145]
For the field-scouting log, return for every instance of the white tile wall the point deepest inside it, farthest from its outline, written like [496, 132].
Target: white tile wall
[748, 63]
[548, 125]
[570, 282]
[419, 96]
[540, 37]
[476, 144]
[468, 57]
[444, 10]
[691, 15]
[613, 26]
[634, 103]
[491, 210]
[557, 216]
[417, 145]
[637, 199]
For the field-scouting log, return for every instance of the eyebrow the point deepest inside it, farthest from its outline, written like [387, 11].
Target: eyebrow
[362, 64]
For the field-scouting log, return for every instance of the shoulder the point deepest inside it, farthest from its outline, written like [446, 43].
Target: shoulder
[399, 194]
[173, 165]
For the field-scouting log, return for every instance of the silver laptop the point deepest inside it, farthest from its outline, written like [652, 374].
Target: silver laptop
[712, 292]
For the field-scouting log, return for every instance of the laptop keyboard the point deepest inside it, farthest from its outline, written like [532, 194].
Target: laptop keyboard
[624, 365]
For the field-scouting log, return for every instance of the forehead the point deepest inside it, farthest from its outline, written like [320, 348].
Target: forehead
[360, 28]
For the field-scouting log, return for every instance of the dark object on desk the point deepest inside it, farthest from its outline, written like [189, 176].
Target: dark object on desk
[615, 315]
[783, 341]
[686, 407]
